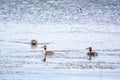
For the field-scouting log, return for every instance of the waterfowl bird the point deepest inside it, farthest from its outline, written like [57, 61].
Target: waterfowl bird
[80, 10]
[90, 53]
[46, 52]
[34, 42]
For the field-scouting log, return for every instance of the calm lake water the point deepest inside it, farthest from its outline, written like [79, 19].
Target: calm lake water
[18, 61]
[67, 27]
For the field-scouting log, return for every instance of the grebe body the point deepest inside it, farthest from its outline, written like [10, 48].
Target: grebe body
[90, 53]
[46, 52]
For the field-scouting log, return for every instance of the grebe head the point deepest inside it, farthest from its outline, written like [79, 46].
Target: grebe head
[89, 48]
[44, 47]
[34, 42]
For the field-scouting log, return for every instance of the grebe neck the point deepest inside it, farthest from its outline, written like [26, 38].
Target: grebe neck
[45, 50]
[90, 49]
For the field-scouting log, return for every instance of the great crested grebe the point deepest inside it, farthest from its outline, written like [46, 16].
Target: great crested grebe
[90, 53]
[34, 42]
[46, 52]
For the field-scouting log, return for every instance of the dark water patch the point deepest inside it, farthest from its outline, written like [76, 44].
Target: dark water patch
[19, 42]
[67, 51]
[76, 57]
[1, 40]
[104, 32]
[10, 65]
[108, 50]
[2, 30]
[20, 56]
[22, 52]
[26, 42]
[112, 55]
[26, 51]
[12, 72]
[20, 64]
[87, 65]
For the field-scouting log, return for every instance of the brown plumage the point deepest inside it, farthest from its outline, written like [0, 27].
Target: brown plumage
[90, 53]
[34, 42]
[46, 52]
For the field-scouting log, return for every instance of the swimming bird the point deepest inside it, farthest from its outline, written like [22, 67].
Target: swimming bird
[34, 42]
[80, 10]
[46, 52]
[90, 53]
